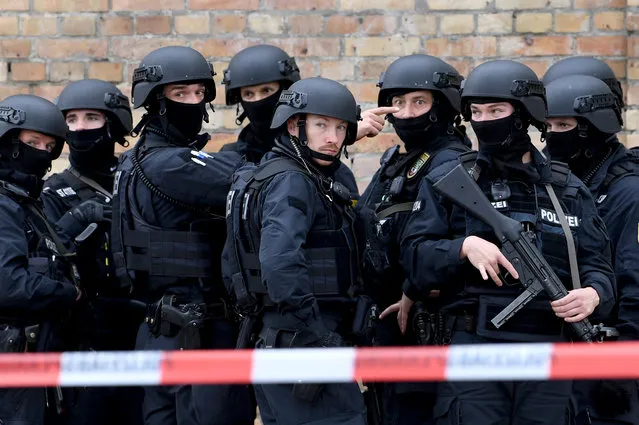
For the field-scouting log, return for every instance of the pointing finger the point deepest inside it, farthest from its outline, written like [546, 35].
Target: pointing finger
[383, 110]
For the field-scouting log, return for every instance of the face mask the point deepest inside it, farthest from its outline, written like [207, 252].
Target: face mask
[260, 113]
[29, 160]
[501, 139]
[186, 118]
[414, 132]
[580, 153]
[562, 146]
[92, 151]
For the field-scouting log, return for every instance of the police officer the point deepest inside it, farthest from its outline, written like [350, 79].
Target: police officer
[502, 99]
[168, 231]
[425, 89]
[99, 116]
[255, 79]
[36, 281]
[291, 246]
[583, 118]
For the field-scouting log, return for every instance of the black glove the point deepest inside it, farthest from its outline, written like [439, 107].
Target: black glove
[612, 398]
[92, 212]
[75, 221]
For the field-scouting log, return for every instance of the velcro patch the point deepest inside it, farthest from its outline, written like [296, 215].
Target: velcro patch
[552, 217]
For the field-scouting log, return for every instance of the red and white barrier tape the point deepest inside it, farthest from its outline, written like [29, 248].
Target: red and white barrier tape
[454, 363]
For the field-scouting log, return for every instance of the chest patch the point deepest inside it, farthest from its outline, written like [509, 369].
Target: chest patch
[421, 161]
[601, 199]
[551, 217]
[500, 205]
[65, 191]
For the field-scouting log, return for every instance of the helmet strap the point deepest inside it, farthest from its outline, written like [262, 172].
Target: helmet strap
[301, 125]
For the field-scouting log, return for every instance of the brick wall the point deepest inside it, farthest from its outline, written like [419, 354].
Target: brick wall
[44, 44]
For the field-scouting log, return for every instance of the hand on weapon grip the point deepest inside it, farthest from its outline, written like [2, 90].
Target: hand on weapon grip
[486, 257]
[373, 121]
[402, 308]
[577, 305]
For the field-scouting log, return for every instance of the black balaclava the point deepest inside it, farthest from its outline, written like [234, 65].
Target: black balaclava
[179, 123]
[24, 165]
[186, 118]
[419, 132]
[92, 153]
[505, 141]
[260, 115]
[581, 148]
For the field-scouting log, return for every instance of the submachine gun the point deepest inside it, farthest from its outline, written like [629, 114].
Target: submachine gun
[535, 274]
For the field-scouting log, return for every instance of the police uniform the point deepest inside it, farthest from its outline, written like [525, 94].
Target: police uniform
[615, 190]
[292, 250]
[168, 233]
[114, 322]
[471, 302]
[430, 140]
[437, 229]
[611, 173]
[37, 281]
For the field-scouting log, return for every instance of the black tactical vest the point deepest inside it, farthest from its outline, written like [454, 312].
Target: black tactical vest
[150, 260]
[331, 252]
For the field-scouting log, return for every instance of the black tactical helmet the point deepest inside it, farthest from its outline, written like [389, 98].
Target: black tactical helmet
[101, 96]
[29, 112]
[258, 65]
[507, 80]
[583, 96]
[319, 96]
[420, 72]
[585, 65]
[168, 65]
